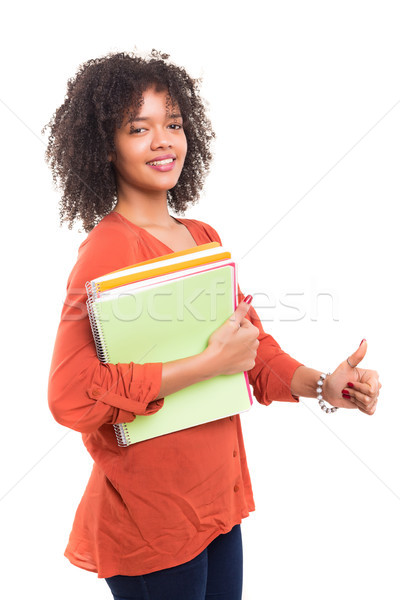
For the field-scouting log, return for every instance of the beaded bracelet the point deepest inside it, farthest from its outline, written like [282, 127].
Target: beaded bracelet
[320, 399]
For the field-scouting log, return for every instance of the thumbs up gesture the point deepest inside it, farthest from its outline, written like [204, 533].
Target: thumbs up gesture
[351, 386]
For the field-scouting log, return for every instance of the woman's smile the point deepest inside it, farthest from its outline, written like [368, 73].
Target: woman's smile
[163, 165]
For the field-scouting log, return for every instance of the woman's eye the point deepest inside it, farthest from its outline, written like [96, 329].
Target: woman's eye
[176, 127]
[136, 130]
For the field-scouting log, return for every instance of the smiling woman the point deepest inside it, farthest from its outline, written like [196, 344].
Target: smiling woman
[159, 518]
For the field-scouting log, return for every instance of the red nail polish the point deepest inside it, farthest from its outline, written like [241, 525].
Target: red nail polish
[248, 299]
[349, 384]
[347, 396]
[363, 340]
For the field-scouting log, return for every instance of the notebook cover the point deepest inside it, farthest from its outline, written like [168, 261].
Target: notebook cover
[160, 265]
[132, 287]
[168, 322]
[199, 248]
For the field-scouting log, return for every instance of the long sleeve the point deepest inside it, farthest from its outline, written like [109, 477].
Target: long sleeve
[272, 374]
[83, 392]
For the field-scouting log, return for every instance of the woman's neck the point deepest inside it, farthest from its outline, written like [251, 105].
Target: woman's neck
[144, 211]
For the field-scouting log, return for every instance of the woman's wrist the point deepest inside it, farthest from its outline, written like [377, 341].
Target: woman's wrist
[312, 384]
[304, 382]
[208, 361]
[181, 373]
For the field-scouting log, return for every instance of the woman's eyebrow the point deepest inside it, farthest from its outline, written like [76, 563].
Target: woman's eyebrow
[169, 116]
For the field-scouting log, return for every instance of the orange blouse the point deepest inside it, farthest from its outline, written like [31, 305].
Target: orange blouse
[160, 502]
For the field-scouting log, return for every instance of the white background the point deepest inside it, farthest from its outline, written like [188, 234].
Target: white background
[305, 101]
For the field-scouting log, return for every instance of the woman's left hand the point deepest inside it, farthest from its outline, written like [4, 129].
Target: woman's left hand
[361, 385]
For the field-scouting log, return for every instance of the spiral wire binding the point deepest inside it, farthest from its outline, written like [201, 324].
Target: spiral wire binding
[121, 431]
[123, 437]
[101, 347]
[89, 289]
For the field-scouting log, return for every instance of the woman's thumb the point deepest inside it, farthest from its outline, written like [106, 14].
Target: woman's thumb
[359, 354]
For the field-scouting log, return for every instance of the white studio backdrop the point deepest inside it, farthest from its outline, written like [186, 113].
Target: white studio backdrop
[304, 188]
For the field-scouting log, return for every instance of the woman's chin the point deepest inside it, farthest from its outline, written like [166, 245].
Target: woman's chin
[165, 184]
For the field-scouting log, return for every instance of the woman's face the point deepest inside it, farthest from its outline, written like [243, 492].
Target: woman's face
[155, 134]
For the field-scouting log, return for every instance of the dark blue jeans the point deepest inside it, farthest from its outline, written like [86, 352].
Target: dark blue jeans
[215, 574]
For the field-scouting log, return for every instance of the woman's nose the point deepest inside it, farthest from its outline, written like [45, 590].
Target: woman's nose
[161, 138]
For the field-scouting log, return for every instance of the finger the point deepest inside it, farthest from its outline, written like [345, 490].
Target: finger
[370, 410]
[368, 374]
[246, 323]
[363, 401]
[241, 311]
[370, 388]
[358, 355]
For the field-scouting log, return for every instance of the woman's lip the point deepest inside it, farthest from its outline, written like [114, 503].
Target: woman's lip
[166, 167]
[163, 157]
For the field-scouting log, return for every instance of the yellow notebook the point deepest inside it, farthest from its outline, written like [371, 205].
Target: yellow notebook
[160, 265]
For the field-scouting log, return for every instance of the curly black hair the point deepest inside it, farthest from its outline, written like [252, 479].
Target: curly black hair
[82, 132]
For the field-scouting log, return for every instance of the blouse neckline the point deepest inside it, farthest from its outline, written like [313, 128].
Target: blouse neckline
[186, 222]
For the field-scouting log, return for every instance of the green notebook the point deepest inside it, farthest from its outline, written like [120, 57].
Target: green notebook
[164, 322]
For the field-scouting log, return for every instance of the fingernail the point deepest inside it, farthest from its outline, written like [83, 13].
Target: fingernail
[248, 299]
[363, 340]
[346, 396]
[349, 384]
[344, 391]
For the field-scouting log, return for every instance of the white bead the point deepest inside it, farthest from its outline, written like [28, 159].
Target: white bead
[320, 399]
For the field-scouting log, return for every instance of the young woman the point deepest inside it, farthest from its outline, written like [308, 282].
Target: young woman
[159, 519]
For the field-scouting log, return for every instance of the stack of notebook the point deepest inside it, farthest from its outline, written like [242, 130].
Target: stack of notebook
[162, 310]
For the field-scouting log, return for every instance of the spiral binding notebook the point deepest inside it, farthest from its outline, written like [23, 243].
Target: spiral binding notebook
[163, 319]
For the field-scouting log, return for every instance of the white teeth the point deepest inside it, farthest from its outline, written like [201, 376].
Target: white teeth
[161, 162]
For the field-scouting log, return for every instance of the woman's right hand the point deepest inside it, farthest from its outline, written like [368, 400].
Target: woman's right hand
[233, 346]
[231, 349]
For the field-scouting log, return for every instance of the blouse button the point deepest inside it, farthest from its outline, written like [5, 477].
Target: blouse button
[231, 418]
[234, 453]
[236, 488]
[96, 393]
